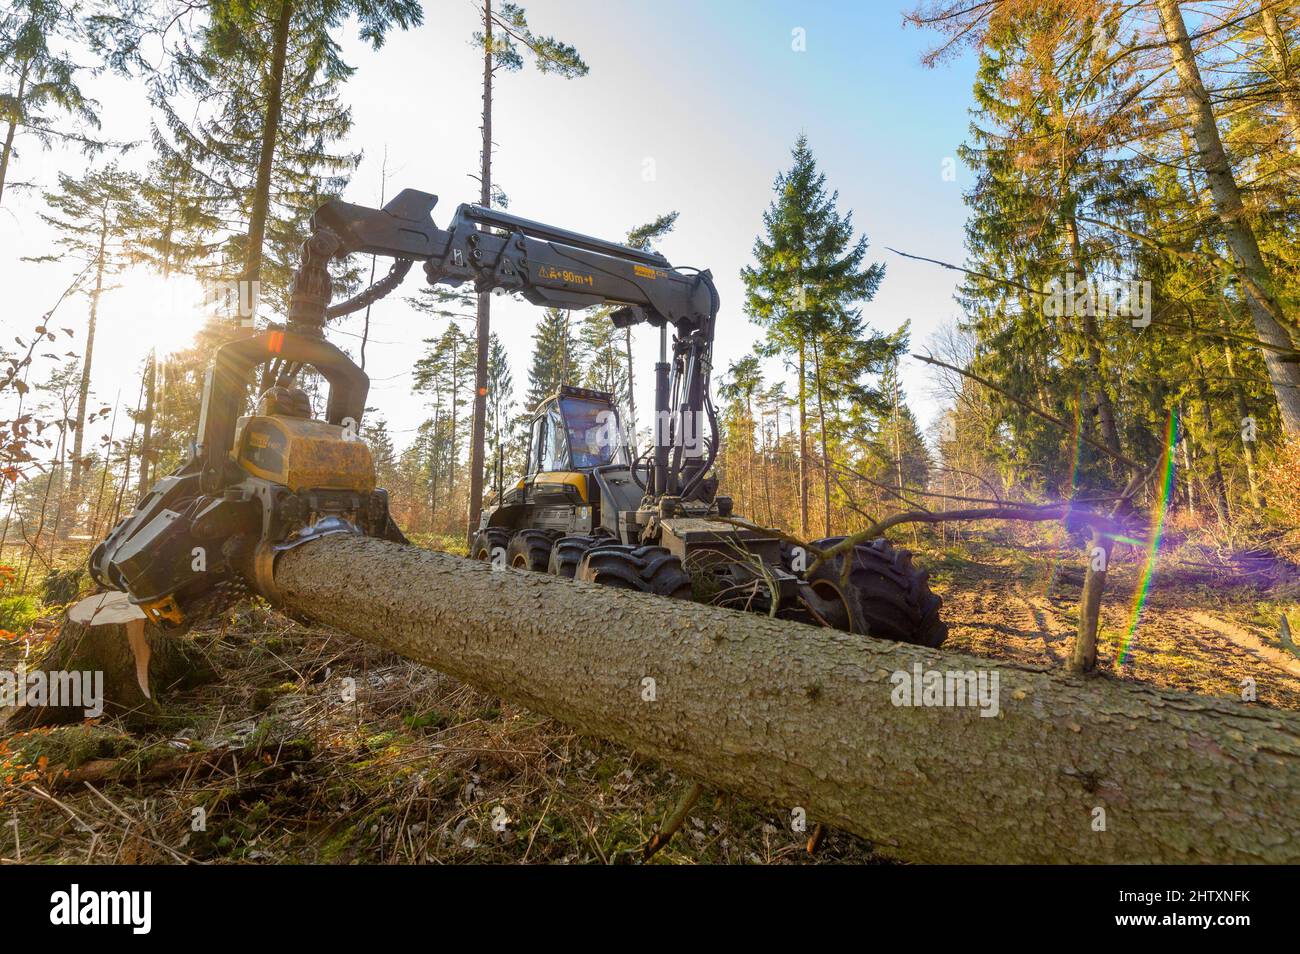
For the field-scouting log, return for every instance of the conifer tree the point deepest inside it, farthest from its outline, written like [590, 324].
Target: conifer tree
[555, 354]
[804, 290]
[40, 82]
[92, 217]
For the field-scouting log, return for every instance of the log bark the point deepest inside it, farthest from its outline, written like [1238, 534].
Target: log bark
[798, 717]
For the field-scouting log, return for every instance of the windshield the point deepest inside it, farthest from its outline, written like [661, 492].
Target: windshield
[593, 428]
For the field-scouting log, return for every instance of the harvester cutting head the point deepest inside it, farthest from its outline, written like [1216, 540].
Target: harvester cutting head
[256, 483]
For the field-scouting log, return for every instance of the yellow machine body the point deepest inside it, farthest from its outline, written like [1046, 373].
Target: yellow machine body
[555, 482]
[303, 454]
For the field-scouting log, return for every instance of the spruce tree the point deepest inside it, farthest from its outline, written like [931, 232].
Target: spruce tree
[501, 401]
[41, 95]
[447, 371]
[804, 290]
[92, 216]
[555, 353]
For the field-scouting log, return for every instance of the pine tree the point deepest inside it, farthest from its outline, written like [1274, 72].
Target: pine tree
[446, 371]
[601, 346]
[1043, 176]
[172, 226]
[740, 388]
[555, 353]
[41, 89]
[804, 290]
[92, 217]
[504, 31]
[902, 458]
[266, 76]
[374, 431]
[501, 401]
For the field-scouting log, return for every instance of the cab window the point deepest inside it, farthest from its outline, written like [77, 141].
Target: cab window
[593, 430]
[555, 451]
[537, 446]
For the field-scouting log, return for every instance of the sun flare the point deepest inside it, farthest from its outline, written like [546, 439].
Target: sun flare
[161, 314]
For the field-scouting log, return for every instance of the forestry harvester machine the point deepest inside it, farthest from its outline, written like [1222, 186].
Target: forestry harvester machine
[588, 506]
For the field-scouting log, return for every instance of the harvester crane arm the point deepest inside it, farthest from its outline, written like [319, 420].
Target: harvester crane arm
[497, 251]
[547, 266]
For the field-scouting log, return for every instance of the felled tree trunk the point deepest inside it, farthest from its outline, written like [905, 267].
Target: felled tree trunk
[795, 717]
[107, 656]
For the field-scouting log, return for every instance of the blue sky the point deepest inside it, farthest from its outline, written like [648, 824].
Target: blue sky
[688, 106]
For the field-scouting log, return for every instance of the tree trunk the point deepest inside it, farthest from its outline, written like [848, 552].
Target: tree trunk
[1247, 446]
[261, 204]
[1218, 487]
[1270, 321]
[765, 462]
[631, 395]
[803, 443]
[433, 474]
[1288, 87]
[8, 149]
[453, 438]
[83, 389]
[128, 661]
[146, 439]
[483, 323]
[1084, 656]
[798, 717]
[1189, 476]
[821, 417]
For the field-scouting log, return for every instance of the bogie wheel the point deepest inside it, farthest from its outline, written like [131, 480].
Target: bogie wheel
[649, 569]
[489, 542]
[567, 553]
[530, 550]
[886, 595]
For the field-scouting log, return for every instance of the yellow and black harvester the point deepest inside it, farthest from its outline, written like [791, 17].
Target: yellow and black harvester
[589, 505]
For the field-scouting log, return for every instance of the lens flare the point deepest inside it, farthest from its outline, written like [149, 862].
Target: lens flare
[1157, 532]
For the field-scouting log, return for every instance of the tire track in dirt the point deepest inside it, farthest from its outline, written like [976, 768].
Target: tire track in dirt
[1196, 651]
[996, 619]
[1248, 641]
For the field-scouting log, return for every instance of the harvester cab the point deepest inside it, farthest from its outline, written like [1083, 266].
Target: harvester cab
[589, 506]
[577, 480]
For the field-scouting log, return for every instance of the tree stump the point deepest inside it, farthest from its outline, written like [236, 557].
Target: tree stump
[107, 659]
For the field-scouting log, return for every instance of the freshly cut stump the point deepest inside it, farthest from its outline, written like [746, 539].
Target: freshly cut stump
[108, 650]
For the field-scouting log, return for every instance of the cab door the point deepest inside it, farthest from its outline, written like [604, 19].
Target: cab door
[548, 453]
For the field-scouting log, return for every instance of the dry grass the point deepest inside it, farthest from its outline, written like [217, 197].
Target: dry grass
[285, 764]
[416, 768]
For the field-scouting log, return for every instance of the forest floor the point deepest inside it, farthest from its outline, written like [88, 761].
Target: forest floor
[271, 765]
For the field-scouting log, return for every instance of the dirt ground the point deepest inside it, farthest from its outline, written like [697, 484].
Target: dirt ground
[316, 748]
[1203, 628]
